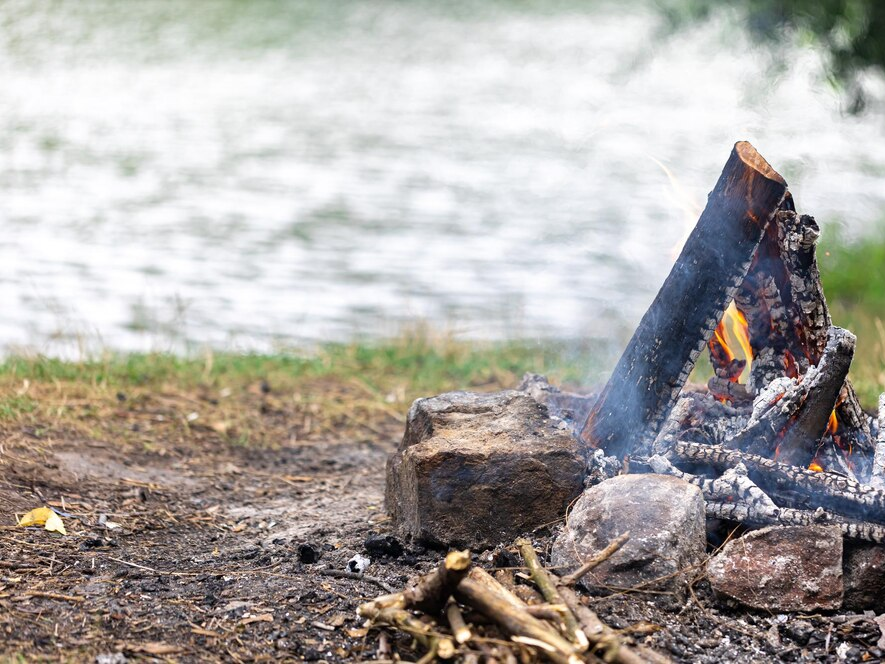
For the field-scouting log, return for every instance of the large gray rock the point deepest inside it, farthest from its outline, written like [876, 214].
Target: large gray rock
[478, 469]
[863, 569]
[781, 568]
[666, 521]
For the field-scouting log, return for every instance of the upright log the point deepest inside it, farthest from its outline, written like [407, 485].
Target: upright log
[676, 328]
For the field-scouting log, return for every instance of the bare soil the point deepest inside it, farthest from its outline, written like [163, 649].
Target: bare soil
[212, 555]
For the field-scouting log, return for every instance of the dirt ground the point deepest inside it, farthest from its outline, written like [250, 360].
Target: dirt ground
[191, 548]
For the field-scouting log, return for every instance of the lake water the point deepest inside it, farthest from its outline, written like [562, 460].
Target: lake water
[265, 174]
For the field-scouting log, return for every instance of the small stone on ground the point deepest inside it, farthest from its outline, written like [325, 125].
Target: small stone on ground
[666, 521]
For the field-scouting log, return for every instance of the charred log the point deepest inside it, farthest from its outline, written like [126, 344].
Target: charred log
[729, 390]
[825, 382]
[791, 416]
[877, 478]
[673, 332]
[735, 497]
[788, 319]
[838, 492]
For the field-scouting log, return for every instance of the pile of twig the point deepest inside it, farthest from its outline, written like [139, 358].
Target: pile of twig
[461, 612]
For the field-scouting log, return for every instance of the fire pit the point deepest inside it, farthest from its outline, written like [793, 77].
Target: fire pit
[788, 445]
[776, 439]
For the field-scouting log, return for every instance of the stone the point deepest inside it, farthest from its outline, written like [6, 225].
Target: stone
[863, 575]
[781, 568]
[667, 525]
[382, 546]
[477, 469]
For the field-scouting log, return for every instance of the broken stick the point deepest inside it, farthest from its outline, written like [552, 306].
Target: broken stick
[516, 621]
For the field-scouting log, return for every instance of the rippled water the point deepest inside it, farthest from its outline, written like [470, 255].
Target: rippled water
[245, 175]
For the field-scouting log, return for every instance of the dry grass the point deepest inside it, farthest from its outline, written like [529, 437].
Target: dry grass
[252, 399]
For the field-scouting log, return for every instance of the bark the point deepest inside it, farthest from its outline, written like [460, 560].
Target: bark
[825, 382]
[878, 473]
[654, 367]
[838, 492]
[734, 496]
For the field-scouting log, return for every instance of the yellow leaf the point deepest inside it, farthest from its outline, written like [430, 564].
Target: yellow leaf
[43, 516]
[36, 517]
[54, 524]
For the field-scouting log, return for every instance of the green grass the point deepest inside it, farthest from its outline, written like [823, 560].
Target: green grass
[853, 275]
[359, 386]
[424, 363]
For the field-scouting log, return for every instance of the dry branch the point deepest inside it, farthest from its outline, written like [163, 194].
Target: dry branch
[673, 332]
[612, 548]
[460, 630]
[516, 621]
[547, 586]
[431, 591]
[604, 640]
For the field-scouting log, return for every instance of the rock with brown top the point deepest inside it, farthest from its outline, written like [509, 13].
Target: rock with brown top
[478, 469]
[666, 521]
[781, 568]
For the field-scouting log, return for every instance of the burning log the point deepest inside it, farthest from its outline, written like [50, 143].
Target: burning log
[735, 497]
[838, 491]
[878, 473]
[791, 416]
[824, 384]
[654, 367]
[788, 320]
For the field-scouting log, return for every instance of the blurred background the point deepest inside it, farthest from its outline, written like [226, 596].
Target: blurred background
[257, 175]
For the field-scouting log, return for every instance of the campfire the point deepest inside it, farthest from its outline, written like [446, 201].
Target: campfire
[778, 436]
[776, 440]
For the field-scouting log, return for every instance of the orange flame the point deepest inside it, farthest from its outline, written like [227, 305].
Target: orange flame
[736, 323]
[741, 330]
[815, 466]
[733, 333]
[833, 424]
[721, 335]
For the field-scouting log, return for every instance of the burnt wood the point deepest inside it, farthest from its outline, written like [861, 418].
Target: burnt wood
[810, 317]
[783, 301]
[736, 497]
[836, 491]
[679, 323]
[877, 478]
[802, 438]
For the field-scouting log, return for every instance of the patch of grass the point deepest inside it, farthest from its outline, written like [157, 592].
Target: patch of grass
[14, 406]
[423, 363]
[251, 399]
[853, 275]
